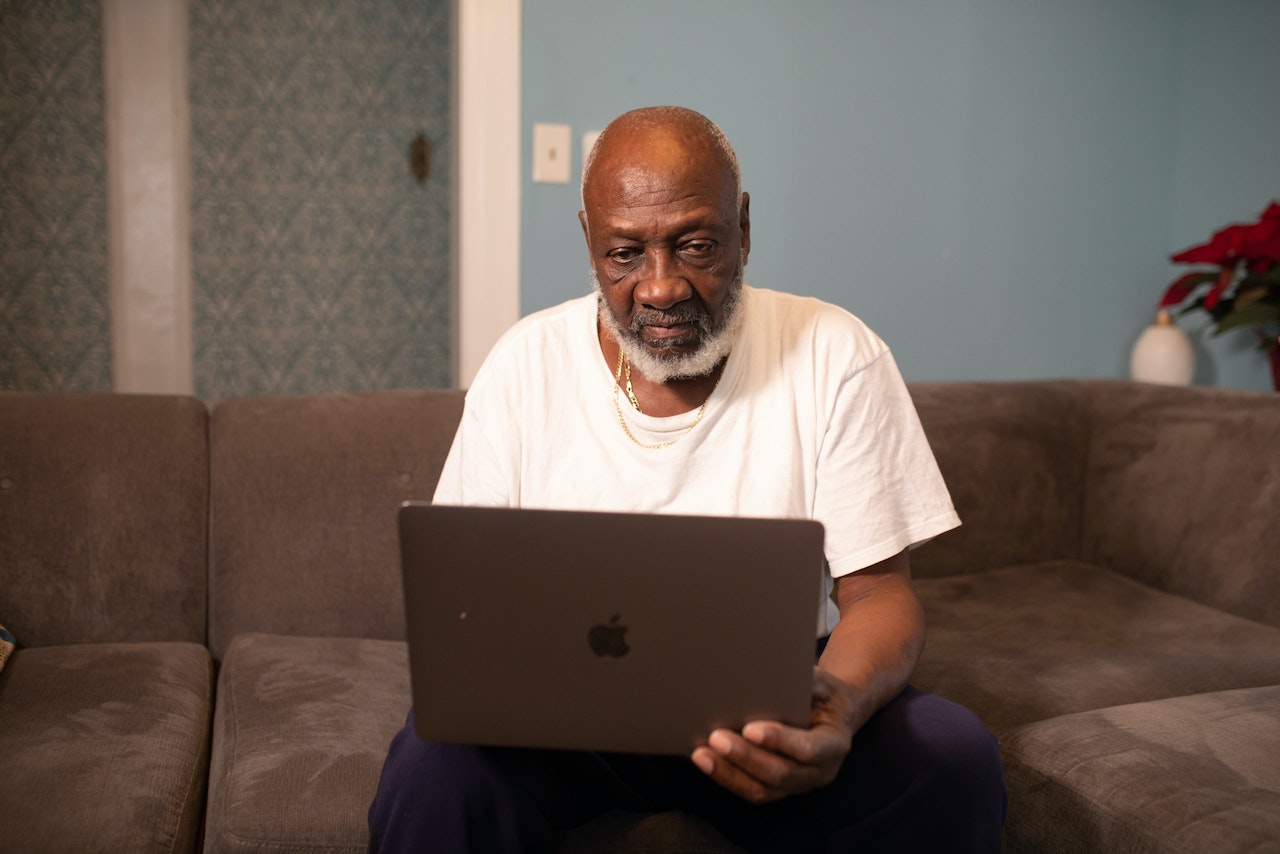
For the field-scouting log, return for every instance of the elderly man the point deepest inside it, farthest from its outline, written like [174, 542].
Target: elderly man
[678, 388]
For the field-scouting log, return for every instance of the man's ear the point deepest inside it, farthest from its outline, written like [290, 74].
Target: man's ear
[582, 218]
[744, 224]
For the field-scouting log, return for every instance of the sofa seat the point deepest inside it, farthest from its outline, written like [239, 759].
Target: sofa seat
[1027, 643]
[299, 737]
[303, 725]
[1186, 774]
[104, 746]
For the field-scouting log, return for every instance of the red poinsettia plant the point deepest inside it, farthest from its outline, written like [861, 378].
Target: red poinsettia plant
[1244, 289]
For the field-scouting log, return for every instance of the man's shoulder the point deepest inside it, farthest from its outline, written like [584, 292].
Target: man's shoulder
[809, 318]
[550, 341]
[802, 309]
[557, 321]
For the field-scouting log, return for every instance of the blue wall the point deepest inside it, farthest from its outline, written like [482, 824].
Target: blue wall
[1228, 151]
[994, 185]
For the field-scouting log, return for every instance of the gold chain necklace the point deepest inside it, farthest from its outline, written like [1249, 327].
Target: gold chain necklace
[623, 361]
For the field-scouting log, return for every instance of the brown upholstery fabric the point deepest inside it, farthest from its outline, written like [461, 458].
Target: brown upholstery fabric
[304, 498]
[1082, 502]
[340, 701]
[104, 501]
[299, 737]
[1012, 455]
[1189, 774]
[1032, 642]
[1184, 493]
[104, 747]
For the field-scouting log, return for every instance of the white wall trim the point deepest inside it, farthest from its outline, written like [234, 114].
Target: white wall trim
[487, 177]
[147, 117]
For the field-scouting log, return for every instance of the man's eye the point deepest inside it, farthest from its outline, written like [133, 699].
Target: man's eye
[622, 256]
[699, 248]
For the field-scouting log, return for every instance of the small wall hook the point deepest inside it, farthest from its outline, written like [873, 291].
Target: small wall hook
[420, 157]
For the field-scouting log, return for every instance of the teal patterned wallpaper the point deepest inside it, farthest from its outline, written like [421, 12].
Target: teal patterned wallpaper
[55, 326]
[319, 262]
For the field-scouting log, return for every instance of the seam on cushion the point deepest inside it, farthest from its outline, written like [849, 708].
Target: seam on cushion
[176, 809]
[231, 731]
[259, 845]
[194, 779]
[171, 816]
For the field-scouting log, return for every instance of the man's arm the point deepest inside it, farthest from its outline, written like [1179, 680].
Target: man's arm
[867, 662]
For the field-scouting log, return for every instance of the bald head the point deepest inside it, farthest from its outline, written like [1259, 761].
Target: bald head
[660, 138]
[668, 233]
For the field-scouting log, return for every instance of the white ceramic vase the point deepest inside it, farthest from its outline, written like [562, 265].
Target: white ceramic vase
[1163, 354]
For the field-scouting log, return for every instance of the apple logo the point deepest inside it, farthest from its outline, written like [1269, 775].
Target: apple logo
[609, 639]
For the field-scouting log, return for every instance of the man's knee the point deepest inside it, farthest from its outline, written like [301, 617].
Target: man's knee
[450, 793]
[468, 798]
[929, 771]
[955, 742]
[960, 772]
[942, 748]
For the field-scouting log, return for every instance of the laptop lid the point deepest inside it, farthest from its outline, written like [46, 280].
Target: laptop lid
[606, 631]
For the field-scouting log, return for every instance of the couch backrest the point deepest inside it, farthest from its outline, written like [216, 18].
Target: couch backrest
[103, 509]
[1012, 454]
[303, 508]
[1176, 487]
[1184, 492]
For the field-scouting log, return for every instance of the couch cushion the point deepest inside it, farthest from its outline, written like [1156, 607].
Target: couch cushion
[104, 746]
[303, 509]
[1032, 642]
[1184, 488]
[1191, 774]
[1012, 455]
[104, 499]
[300, 733]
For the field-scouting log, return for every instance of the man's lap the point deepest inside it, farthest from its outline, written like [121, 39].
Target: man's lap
[916, 737]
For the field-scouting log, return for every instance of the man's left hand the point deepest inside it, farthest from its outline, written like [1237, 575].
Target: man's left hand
[769, 761]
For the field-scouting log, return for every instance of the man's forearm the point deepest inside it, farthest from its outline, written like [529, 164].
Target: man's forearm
[875, 646]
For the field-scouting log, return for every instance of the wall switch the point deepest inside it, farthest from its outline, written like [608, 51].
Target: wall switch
[552, 153]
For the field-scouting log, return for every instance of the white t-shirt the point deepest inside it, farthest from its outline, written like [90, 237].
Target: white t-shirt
[811, 419]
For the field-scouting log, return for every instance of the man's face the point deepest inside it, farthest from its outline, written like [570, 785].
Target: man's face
[668, 243]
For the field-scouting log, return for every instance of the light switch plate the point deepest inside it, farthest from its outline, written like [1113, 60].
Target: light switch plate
[552, 153]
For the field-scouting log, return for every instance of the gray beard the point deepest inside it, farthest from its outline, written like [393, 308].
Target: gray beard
[715, 341]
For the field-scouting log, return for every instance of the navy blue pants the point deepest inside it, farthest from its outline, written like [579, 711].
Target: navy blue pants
[922, 775]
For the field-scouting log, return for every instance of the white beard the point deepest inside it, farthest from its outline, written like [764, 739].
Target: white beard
[714, 345]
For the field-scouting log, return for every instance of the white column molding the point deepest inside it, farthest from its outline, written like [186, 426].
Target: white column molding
[148, 193]
[487, 177]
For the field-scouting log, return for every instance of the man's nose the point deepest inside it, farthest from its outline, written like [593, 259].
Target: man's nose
[663, 283]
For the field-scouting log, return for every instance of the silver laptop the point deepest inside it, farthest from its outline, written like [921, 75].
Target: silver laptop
[606, 631]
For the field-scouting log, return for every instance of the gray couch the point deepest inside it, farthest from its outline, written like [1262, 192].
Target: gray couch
[207, 605]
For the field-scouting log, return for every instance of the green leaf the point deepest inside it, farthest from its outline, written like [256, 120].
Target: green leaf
[1259, 312]
[1249, 295]
[1271, 277]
